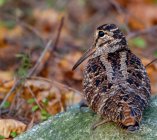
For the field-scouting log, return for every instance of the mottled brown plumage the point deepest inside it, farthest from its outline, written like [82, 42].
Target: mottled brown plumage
[115, 82]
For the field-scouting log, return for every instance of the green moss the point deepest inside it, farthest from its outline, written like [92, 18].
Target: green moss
[75, 124]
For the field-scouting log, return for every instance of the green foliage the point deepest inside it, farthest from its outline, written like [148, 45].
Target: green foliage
[2, 137]
[45, 101]
[155, 1]
[13, 134]
[155, 53]
[138, 42]
[31, 100]
[2, 2]
[44, 114]
[35, 108]
[10, 24]
[6, 105]
[123, 28]
[25, 65]
[50, 3]
[82, 2]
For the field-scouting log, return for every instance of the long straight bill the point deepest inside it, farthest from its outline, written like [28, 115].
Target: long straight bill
[88, 53]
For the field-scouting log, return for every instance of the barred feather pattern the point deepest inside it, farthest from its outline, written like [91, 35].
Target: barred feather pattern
[117, 87]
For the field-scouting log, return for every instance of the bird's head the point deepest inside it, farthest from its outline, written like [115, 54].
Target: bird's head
[108, 39]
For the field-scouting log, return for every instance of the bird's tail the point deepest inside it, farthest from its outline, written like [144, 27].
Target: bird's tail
[130, 118]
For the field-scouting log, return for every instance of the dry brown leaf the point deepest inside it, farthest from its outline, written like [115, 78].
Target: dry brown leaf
[58, 95]
[144, 11]
[5, 75]
[9, 125]
[6, 33]
[8, 84]
[30, 125]
[67, 63]
[46, 20]
[151, 70]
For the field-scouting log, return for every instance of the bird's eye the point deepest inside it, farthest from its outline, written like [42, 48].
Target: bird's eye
[101, 33]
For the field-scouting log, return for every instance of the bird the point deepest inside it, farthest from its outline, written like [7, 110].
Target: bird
[115, 82]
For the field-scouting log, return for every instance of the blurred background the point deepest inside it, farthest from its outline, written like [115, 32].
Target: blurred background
[40, 41]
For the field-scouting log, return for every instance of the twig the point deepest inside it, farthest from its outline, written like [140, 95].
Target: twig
[55, 82]
[151, 63]
[30, 125]
[142, 32]
[30, 90]
[58, 34]
[17, 83]
[20, 90]
[51, 51]
[31, 72]
[39, 61]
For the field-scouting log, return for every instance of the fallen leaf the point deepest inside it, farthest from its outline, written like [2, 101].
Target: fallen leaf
[7, 126]
[151, 70]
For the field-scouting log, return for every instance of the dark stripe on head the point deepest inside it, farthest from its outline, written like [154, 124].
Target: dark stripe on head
[117, 34]
[107, 27]
[102, 27]
[106, 42]
[96, 41]
[116, 31]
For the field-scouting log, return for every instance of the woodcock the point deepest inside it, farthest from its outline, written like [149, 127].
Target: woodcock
[115, 83]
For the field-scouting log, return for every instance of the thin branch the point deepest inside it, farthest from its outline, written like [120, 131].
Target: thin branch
[18, 93]
[58, 34]
[37, 64]
[17, 83]
[52, 50]
[54, 82]
[31, 92]
[142, 32]
[32, 71]
[150, 63]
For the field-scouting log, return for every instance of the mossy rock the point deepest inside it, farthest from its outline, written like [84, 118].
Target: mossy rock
[75, 124]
